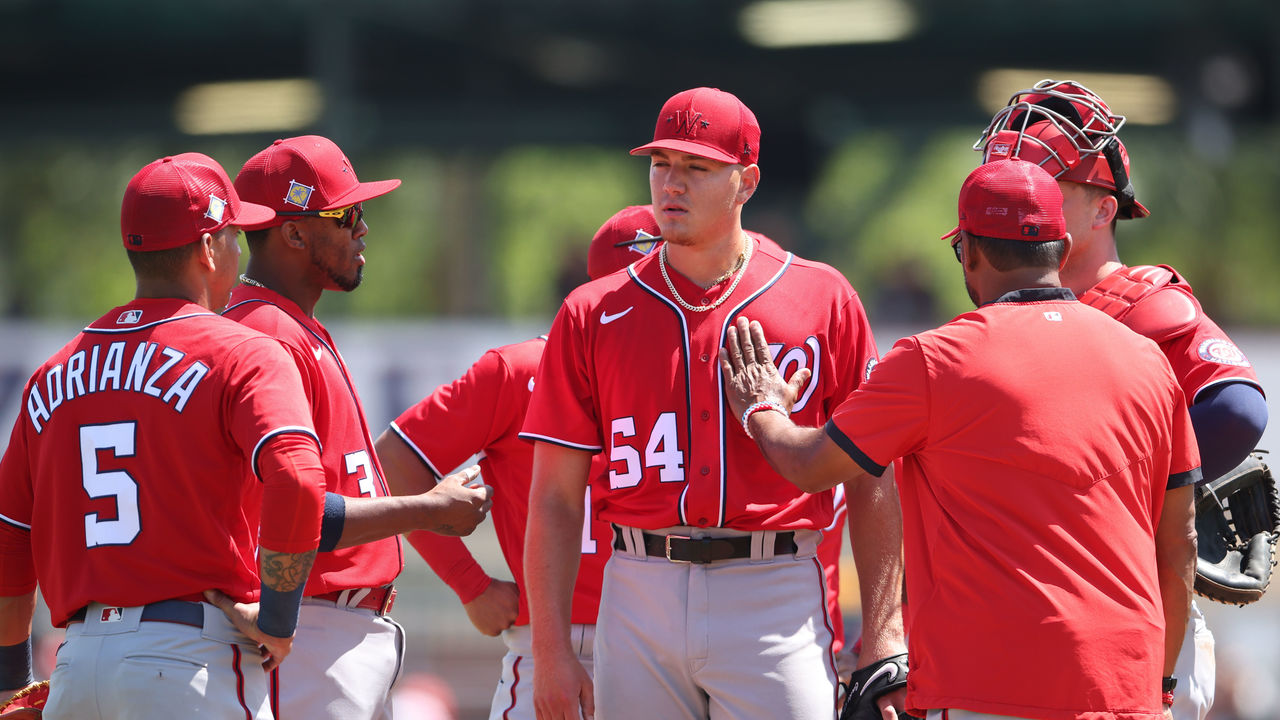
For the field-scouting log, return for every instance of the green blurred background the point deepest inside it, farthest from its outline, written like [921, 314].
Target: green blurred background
[509, 122]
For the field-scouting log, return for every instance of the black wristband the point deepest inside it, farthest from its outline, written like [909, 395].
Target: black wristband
[15, 665]
[335, 518]
[278, 611]
[1168, 684]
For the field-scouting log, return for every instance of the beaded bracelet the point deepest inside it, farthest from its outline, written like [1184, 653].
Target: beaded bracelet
[757, 407]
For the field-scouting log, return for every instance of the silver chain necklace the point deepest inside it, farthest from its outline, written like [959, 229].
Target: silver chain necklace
[662, 265]
[250, 281]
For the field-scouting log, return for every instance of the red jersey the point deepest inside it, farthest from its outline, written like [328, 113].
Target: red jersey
[1038, 438]
[630, 372]
[346, 448]
[1154, 301]
[481, 412]
[132, 462]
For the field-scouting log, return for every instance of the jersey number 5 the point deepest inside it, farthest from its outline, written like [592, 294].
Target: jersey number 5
[661, 451]
[116, 484]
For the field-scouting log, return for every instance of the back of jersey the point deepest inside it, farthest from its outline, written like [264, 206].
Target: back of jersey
[132, 461]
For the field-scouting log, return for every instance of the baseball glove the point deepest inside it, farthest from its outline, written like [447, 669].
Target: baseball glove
[27, 703]
[1237, 521]
[870, 684]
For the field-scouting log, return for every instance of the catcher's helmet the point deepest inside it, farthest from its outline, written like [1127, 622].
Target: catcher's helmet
[1069, 131]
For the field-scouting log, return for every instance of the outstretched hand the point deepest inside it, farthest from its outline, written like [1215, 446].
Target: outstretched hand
[458, 503]
[750, 376]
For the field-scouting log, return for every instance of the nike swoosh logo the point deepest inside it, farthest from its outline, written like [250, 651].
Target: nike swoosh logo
[892, 671]
[319, 353]
[606, 318]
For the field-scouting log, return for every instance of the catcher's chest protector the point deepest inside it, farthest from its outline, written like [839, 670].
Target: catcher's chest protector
[1152, 300]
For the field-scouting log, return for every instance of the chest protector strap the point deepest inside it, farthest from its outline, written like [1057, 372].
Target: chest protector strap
[1151, 300]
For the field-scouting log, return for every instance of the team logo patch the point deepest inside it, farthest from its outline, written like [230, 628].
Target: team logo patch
[1053, 316]
[871, 365]
[640, 245]
[129, 317]
[299, 194]
[1030, 231]
[217, 208]
[112, 614]
[1222, 352]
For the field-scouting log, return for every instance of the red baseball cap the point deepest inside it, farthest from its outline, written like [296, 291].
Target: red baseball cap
[175, 200]
[624, 238]
[1013, 200]
[302, 174]
[709, 123]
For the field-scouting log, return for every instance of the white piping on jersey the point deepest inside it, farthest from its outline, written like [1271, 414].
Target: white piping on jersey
[15, 523]
[724, 336]
[561, 443]
[681, 510]
[374, 465]
[841, 507]
[417, 451]
[136, 328]
[281, 431]
[1221, 381]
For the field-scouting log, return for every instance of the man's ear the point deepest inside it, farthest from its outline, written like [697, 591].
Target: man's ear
[292, 234]
[206, 252]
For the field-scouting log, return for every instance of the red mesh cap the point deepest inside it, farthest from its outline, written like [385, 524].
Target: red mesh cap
[709, 123]
[1013, 200]
[303, 174]
[624, 238]
[175, 200]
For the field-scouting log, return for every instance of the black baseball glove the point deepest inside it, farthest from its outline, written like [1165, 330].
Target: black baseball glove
[1237, 521]
[870, 683]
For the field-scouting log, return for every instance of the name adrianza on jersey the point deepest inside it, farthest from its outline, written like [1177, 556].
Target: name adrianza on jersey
[103, 368]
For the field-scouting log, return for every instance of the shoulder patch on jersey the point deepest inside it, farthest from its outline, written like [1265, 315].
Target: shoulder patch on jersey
[1223, 352]
[871, 365]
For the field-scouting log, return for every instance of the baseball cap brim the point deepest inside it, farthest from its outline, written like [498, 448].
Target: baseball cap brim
[951, 234]
[363, 191]
[1134, 212]
[684, 146]
[253, 214]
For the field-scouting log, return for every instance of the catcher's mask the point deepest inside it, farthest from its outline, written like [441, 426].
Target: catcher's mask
[1066, 129]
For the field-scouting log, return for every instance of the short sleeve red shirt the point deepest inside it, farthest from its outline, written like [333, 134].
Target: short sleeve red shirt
[1038, 438]
[628, 371]
[346, 448]
[132, 461]
[481, 412]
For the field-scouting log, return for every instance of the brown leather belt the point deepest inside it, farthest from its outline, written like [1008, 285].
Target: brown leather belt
[378, 600]
[700, 551]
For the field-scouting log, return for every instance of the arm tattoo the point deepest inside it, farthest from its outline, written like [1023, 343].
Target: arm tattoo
[284, 572]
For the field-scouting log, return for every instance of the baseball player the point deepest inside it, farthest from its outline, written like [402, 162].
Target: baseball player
[1070, 131]
[481, 413]
[1046, 502]
[631, 233]
[312, 243]
[713, 603]
[136, 470]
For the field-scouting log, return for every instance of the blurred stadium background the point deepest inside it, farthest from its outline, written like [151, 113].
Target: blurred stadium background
[509, 121]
